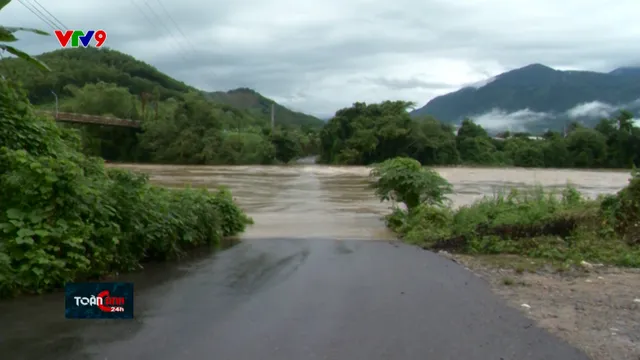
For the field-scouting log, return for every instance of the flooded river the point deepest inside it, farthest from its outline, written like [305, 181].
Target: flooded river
[309, 200]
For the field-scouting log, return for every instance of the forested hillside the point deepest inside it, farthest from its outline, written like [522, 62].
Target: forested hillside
[260, 106]
[81, 66]
[180, 123]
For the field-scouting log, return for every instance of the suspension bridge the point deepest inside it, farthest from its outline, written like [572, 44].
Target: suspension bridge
[91, 119]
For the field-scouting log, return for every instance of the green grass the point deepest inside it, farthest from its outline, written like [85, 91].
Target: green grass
[558, 227]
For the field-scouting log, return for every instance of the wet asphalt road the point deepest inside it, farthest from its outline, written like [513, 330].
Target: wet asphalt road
[292, 299]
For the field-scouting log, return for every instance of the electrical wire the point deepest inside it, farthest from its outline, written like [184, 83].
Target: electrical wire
[187, 41]
[164, 9]
[57, 21]
[39, 14]
[173, 37]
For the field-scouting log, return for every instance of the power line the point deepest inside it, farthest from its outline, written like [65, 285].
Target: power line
[165, 28]
[143, 13]
[175, 24]
[52, 16]
[154, 24]
[39, 14]
[186, 43]
[164, 9]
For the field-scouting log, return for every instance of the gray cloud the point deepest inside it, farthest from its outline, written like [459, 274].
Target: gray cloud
[496, 119]
[318, 56]
[401, 84]
[521, 120]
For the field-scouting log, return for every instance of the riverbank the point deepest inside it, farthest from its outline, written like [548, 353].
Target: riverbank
[591, 306]
[65, 217]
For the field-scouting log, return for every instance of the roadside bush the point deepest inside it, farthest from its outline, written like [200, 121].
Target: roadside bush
[556, 225]
[64, 217]
[621, 212]
[405, 181]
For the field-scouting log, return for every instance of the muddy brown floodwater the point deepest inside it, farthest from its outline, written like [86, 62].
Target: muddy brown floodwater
[309, 200]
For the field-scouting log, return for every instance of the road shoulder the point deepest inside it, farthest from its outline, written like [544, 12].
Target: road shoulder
[594, 308]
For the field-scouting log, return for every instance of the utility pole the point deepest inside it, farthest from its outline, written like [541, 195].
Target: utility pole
[273, 115]
[157, 99]
[56, 96]
[143, 98]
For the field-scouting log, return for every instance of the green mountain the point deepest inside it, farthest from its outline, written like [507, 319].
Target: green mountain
[541, 97]
[258, 105]
[82, 66]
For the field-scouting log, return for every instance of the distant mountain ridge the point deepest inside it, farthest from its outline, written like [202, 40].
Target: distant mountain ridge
[256, 104]
[543, 92]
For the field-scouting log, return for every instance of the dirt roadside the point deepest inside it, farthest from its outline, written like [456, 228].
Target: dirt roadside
[594, 308]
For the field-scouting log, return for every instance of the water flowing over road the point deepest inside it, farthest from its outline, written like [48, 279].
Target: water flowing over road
[302, 285]
[332, 201]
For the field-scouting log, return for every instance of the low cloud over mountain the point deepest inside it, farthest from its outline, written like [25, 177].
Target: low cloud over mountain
[537, 97]
[527, 120]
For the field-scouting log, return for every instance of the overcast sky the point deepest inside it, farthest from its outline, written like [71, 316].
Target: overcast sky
[320, 55]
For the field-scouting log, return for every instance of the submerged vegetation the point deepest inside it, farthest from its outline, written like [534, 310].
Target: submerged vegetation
[561, 226]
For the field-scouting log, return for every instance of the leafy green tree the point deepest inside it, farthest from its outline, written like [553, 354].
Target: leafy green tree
[364, 134]
[478, 150]
[525, 152]
[621, 138]
[475, 145]
[469, 129]
[287, 145]
[433, 143]
[555, 152]
[405, 181]
[587, 147]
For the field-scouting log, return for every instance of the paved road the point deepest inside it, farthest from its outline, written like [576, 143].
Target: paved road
[293, 299]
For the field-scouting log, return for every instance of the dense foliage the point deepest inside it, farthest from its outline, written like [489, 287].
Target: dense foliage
[64, 217]
[564, 227]
[540, 89]
[188, 130]
[405, 181]
[232, 127]
[369, 133]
